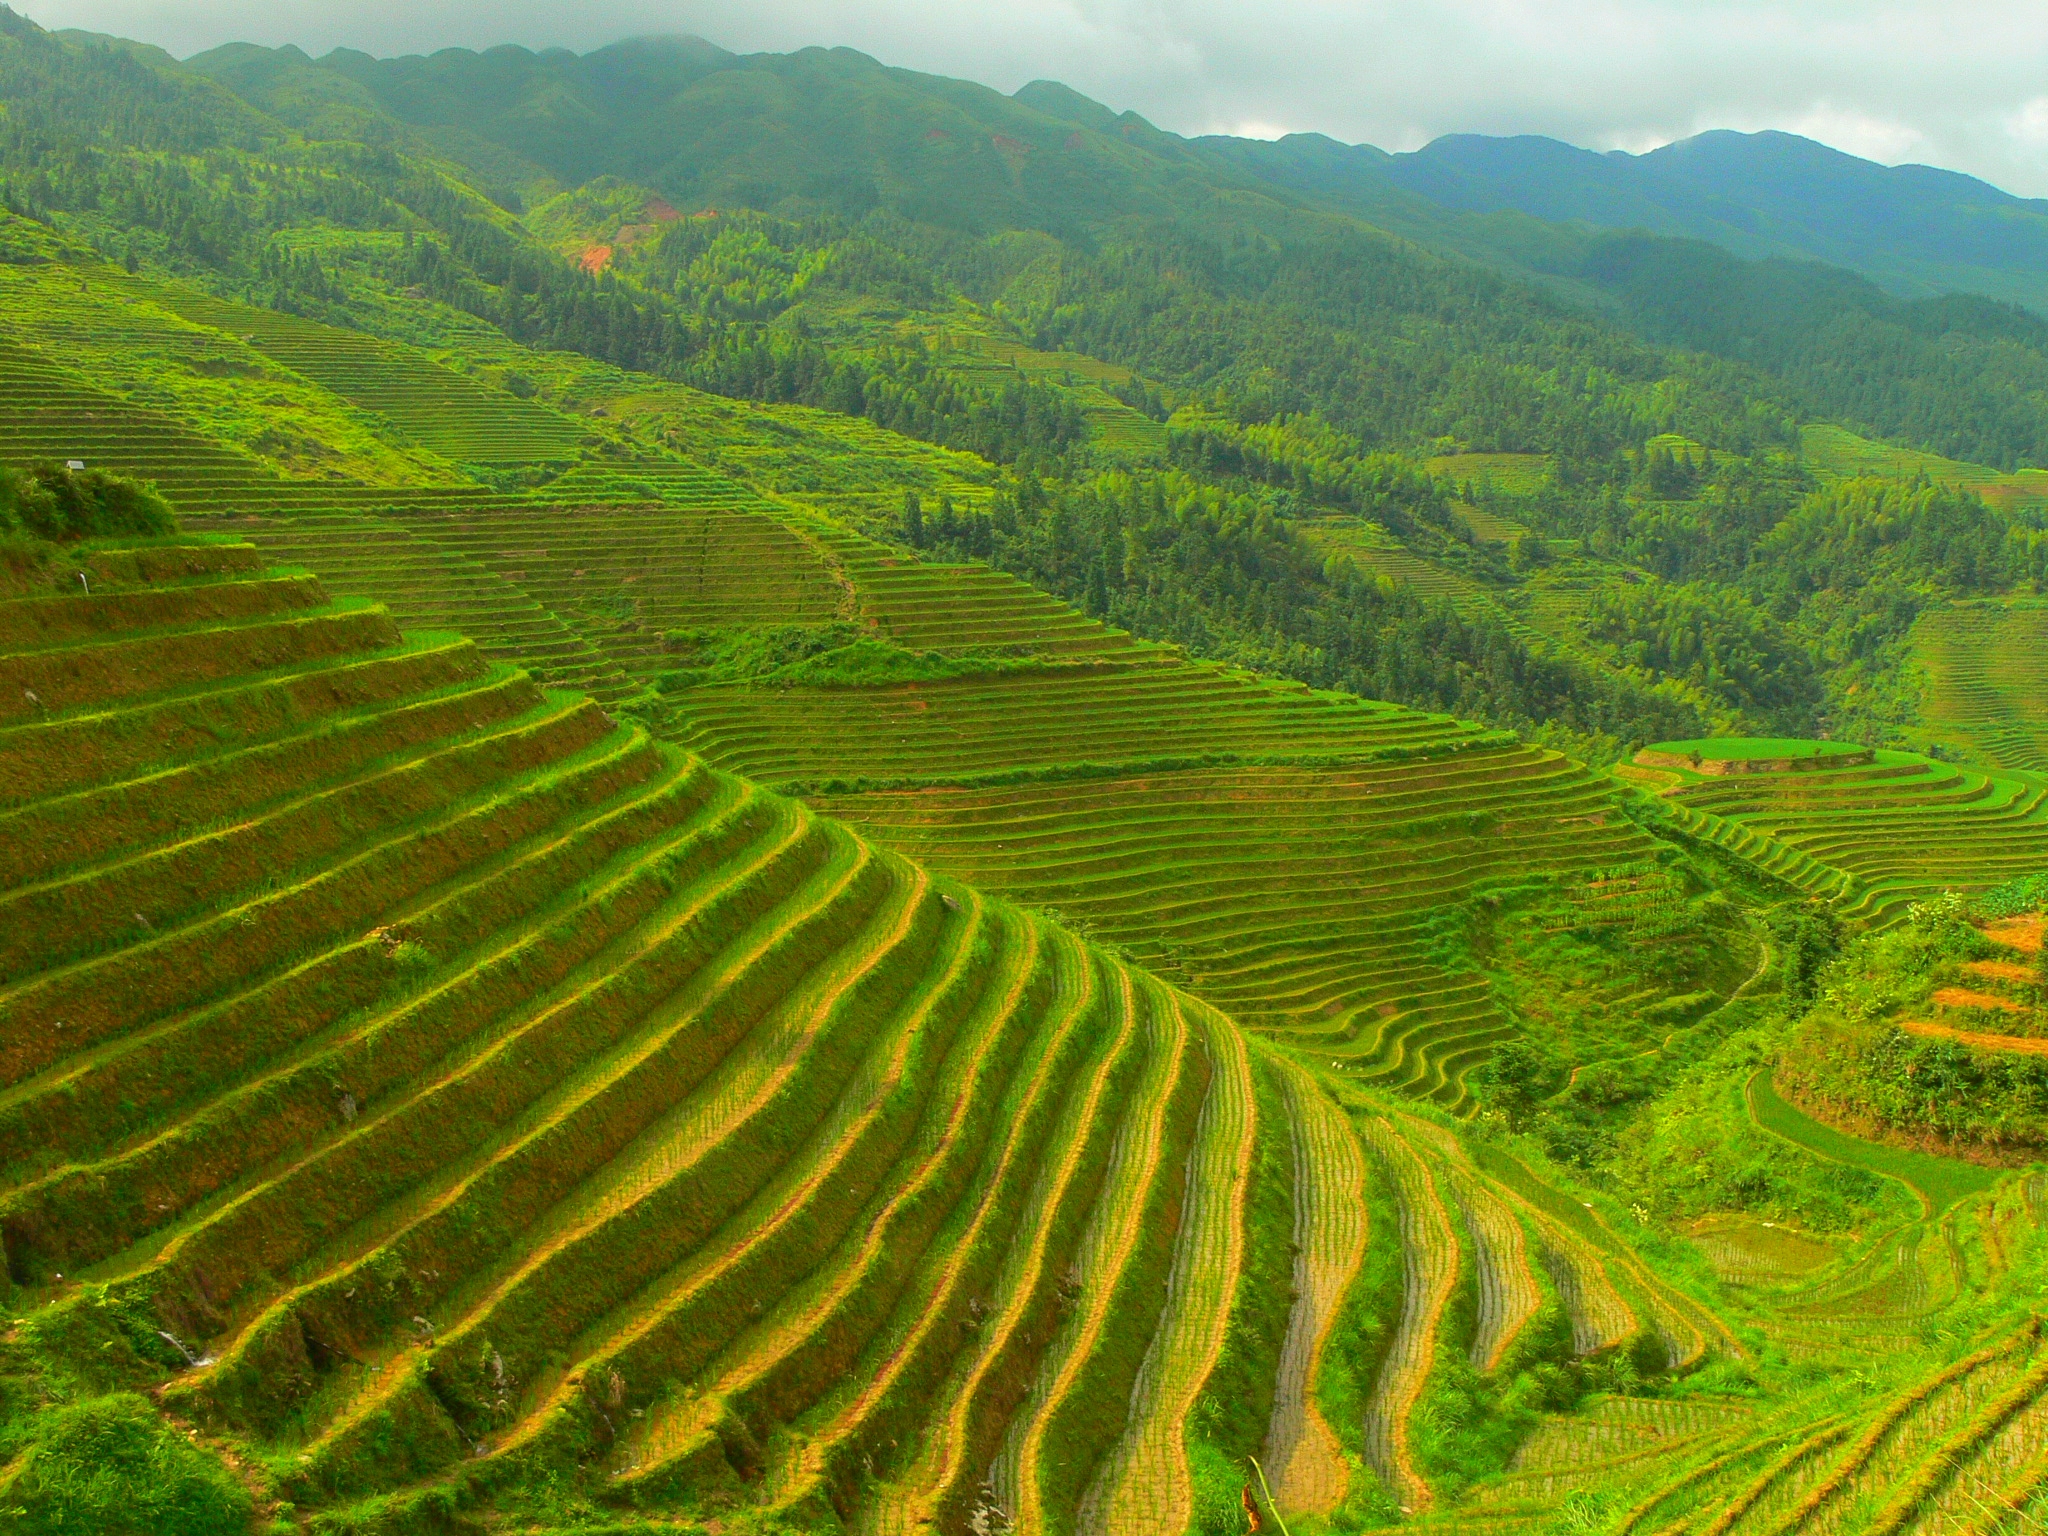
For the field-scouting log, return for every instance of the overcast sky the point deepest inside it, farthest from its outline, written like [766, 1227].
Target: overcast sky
[1957, 83]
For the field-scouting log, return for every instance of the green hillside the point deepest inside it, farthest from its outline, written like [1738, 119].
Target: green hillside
[486, 1024]
[990, 833]
[837, 133]
[516, 1003]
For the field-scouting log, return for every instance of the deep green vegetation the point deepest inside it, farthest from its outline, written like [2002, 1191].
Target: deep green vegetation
[110, 1466]
[1932, 1030]
[50, 502]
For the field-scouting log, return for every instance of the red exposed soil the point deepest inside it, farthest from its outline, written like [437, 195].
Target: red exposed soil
[2023, 1045]
[660, 211]
[936, 135]
[2001, 970]
[1962, 997]
[2022, 933]
[596, 258]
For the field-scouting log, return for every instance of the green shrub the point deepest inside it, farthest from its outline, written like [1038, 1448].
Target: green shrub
[1218, 1487]
[836, 655]
[110, 1466]
[2014, 898]
[49, 501]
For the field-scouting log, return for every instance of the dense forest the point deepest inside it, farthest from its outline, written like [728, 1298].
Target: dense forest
[1227, 573]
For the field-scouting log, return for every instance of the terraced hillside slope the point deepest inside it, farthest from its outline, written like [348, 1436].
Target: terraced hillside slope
[604, 598]
[233, 407]
[1987, 680]
[1872, 831]
[587, 597]
[1941, 1446]
[499, 1102]
[434, 1089]
[1279, 851]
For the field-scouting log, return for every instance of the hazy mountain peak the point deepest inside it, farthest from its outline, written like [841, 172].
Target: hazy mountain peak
[1064, 102]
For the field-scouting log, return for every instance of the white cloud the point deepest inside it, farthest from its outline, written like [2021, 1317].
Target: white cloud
[2029, 125]
[1934, 80]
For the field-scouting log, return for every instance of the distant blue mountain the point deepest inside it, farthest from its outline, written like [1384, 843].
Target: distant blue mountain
[1914, 229]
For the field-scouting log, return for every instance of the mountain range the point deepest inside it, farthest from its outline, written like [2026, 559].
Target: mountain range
[694, 120]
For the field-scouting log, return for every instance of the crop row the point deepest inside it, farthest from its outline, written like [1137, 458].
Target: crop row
[1294, 898]
[1430, 1262]
[1305, 1459]
[1143, 1485]
[1987, 679]
[1894, 832]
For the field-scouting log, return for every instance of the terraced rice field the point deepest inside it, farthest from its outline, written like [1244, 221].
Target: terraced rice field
[48, 413]
[584, 596]
[180, 351]
[469, 1083]
[1376, 550]
[1878, 836]
[999, 722]
[1607, 1429]
[1833, 450]
[742, 1159]
[460, 1078]
[435, 407]
[993, 360]
[428, 584]
[1490, 527]
[1373, 549]
[1517, 474]
[1939, 1183]
[1462, 1228]
[953, 608]
[1938, 1428]
[1085, 785]
[1749, 1251]
[1295, 898]
[1987, 672]
[1941, 1453]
